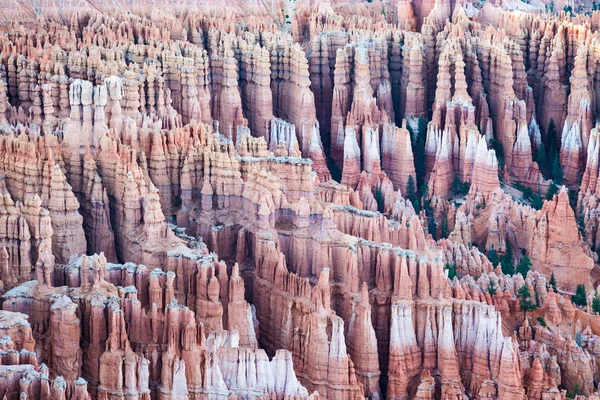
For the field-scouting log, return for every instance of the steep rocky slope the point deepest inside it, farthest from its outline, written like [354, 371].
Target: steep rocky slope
[299, 199]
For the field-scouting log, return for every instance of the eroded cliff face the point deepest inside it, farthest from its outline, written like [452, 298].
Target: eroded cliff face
[298, 200]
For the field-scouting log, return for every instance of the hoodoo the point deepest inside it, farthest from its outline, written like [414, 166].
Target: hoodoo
[300, 200]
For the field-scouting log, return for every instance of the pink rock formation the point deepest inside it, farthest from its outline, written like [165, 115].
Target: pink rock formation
[68, 237]
[246, 200]
[397, 157]
[557, 244]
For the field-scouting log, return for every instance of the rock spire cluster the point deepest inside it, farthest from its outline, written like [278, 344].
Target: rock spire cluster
[299, 200]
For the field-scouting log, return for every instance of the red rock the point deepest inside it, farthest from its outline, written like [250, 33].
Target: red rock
[362, 344]
[68, 237]
[341, 103]
[351, 171]
[65, 330]
[509, 376]
[223, 243]
[442, 175]
[485, 171]
[397, 157]
[570, 267]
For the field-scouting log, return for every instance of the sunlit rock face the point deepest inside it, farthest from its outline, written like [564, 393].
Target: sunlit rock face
[299, 199]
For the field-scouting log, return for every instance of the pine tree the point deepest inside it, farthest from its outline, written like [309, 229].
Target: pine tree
[413, 138]
[456, 185]
[557, 173]
[596, 304]
[422, 124]
[379, 199]
[525, 301]
[432, 227]
[553, 282]
[459, 187]
[547, 156]
[451, 268]
[526, 192]
[573, 203]
[579, 298]
[552, 190]
[541, 157]
[411, 193]
[524, 266]
[551, 136]
[537, 202]
[492, 288]
[507, 264]
[444, 227]
[419, 153]
[568, 10]
[424, 190]
[493, 256]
